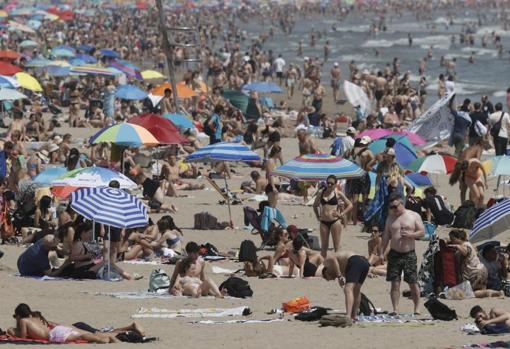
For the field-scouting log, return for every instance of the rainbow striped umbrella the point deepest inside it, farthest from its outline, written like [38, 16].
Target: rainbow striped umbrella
[93, 70]
[317, 167]
[440, 164]
[125, 134]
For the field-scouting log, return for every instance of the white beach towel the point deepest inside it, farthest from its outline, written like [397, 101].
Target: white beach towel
[157, 313]
[224, 322]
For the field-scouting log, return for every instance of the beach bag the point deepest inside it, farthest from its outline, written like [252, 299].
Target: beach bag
[312, 314]
[335, 320]
[133, 337]
[465, 215]
[236, 287]
[337, 148]
[296, 305]
[430, 229]
[480, 129]
[460, 291]
[439, 310]
[497, 126]
[366, 307]
[158, 280]
[247, 251]
[205, 221]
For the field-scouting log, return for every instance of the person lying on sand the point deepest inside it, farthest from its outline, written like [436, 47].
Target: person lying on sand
[496, 319]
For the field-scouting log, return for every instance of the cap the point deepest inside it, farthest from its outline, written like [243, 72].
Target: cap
[53, 147]
[365, 140]
[390, 151]
[57, 139]
[351, 130]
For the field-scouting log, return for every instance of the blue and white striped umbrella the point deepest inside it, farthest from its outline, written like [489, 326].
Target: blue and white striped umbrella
[223, 151]
[110, 206]
[493, 221]
[317, 167]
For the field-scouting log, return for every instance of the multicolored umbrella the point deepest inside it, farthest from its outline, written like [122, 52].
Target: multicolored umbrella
[163, 129]
[263, 87]
[28, 82]
[8, 82]
[92, 177]
[49, 175]
[493, 221]
[317, 167]
[377, 133]
[404, 150]
[130, 92]
[179, 120]
[124, 134]
[9, 69]
[439, 164]
[127, 68]
[94, 70]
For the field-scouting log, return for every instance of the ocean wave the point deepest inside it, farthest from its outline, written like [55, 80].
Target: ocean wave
[466, 89]
[499, 94]
[378, 43]
[427, 41]
[488, 31]
[480, 51]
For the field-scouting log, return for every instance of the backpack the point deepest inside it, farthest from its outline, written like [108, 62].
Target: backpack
[335, 320]
[465, 215]
[497, 126]
[366, 307]
[134, 337]
[158, 280]
[312, 314]
[247, 251]
[236, 287]
[337, 148]
[207, 127]
[480, 129]
[206, 221]
[439, 310]
[208, 250]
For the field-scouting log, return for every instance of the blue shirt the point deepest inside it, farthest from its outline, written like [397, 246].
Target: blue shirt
[34, 261]
[271, 214]
[216, 120]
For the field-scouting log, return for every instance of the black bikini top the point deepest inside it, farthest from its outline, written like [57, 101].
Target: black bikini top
[333, 201]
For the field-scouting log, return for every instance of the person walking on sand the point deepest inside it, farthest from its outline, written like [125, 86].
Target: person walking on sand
[402, 228]
[351, 271]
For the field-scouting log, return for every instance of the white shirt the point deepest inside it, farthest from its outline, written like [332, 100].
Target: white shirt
[505, 123]
[449, 86]
[279, 63]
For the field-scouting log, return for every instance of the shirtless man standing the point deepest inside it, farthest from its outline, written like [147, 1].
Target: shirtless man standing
[351, 271]
[336, 74]
[402, 228]
[306, 144]
[198, 271]
[380, 88]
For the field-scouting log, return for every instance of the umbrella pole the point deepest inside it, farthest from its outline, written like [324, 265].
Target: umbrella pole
[228, 204]
[108, 254]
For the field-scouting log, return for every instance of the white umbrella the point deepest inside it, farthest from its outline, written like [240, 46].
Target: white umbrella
[8, 94]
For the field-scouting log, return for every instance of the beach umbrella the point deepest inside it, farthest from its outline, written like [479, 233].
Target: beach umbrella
[201, 85]
[263, 87]
[38, 62]
[34, 23]
[183, 91]
[28, 44]
[7, 94]
[93, 70]
[163, 129]
[9, 55]
[28, 82]
[58, 71]
[62, 52]
[124, 134]
[8, 82]
[152, 75]
[500, 165]
[88, 59]
[3, 14]
[224, 151]
[15, 26]
[86, 48]
[416, 180]
[127, 68]
[317, 167]
[493, 221]
[9, 69]
[374, 133]
[130, 92]
[238, 99]
[179, 120]
[112, 207]
[49, 175]
[436, 163]
[404, 150]
[108, 53]
[92, 177]
[377, 133]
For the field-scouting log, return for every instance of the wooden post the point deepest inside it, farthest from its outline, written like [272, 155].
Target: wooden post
[168, 50]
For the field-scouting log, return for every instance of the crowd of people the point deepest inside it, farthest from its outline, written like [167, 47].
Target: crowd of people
[61, 243]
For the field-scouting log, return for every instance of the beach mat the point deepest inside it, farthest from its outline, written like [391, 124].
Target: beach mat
[227, 322]
[157, 313]
[397, 319]
[142, 295]
[27, 341]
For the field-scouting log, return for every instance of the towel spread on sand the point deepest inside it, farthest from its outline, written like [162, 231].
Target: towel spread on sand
[398, 319]
[137, 295]
[220, 270]
[41, 278]
[498, 344]
[141, 261]
[158, 313]
[224, 322]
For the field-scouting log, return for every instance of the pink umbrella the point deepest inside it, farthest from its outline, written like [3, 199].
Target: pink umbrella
[413, 137]
[375, 133]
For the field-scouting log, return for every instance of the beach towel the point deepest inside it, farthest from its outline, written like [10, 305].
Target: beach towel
[20, 341]
[397, 319]
[226, 322]
[42, 278]
[220, 270]
[158, 313]
[137, 295]
[498, 344]
[377, 211]
[143, 262]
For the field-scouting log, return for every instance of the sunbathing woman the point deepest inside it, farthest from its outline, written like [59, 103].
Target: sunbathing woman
[31, 324]
[189, 285]
[309, 262]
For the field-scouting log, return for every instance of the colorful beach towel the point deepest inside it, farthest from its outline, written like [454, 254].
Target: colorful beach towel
[397, 319]
[157, 313]
[20, 341]
[225, 322]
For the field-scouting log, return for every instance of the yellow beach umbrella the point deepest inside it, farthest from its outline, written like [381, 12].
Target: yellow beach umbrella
[152, 75]
[3, 13]
[28, 82]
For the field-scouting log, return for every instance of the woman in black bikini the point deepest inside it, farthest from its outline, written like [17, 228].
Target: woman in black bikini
[309, 262]
[329, 201]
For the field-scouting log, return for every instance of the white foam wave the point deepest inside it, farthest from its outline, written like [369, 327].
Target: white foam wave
[499, 94]
[378, 43]
[488, 31]
[480, 51]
